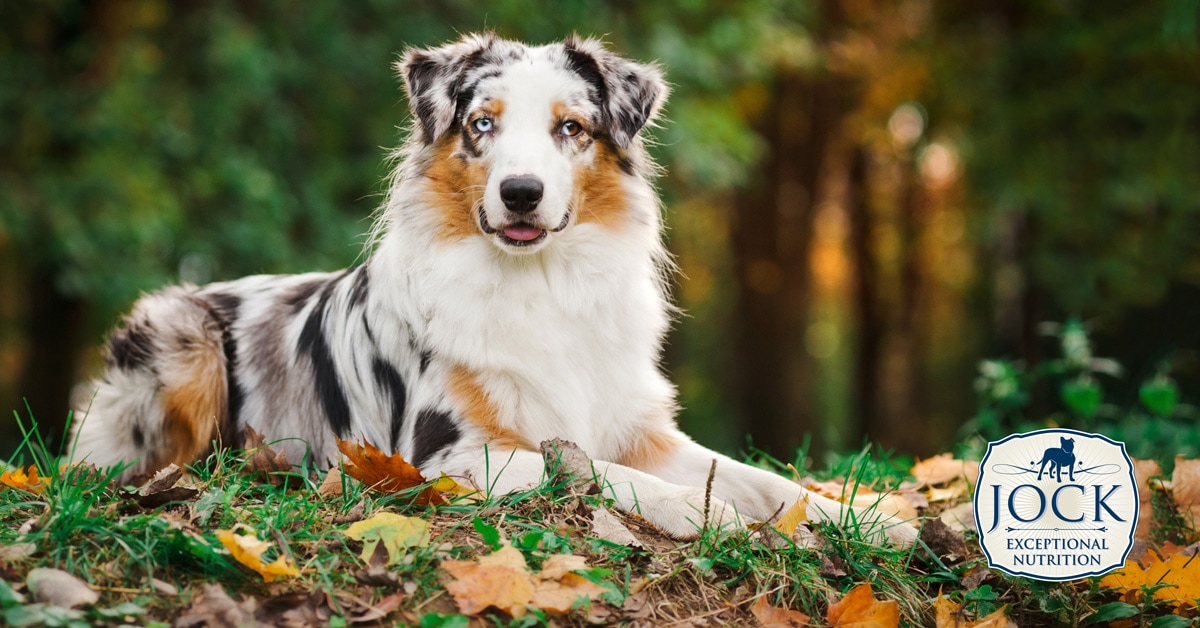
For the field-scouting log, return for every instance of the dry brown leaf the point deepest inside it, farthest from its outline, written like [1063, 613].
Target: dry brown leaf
[264, 459]
[960, 518]
[59, 588]
[776, 617]
[385, 473]
[943, 469]
[502, 580]
[213, 608]
[1185, 484]
[162, 489]
[860, 609]
[1143, 470]
[331, 486]
[605, 525]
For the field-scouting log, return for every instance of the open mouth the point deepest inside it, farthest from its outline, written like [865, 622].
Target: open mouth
[520, 234]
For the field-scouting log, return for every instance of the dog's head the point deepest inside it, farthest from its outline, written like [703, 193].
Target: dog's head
[1068, 444]
[524, 142]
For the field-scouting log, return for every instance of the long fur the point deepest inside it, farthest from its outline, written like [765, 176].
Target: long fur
[481, 322]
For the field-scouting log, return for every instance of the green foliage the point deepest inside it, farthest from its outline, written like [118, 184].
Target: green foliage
[1157, 426]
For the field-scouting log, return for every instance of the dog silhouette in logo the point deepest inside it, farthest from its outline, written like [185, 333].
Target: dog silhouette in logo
[1060, 458]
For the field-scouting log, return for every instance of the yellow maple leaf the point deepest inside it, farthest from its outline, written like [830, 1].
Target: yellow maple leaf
[1180, 573]
[394, 531]
[951, 615]
[248, 549]
[27, 480]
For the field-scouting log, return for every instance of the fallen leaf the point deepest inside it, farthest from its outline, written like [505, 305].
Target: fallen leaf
[450, 486]
[331, 486]
[59, 588]
[864, 497]
[162, 489]
[1180, 572]
[385, 473]
[860, 609]
[248, 549]
[26, 480]
[1143, 470]
[776, 617]
[605, 525]
[960, 518]
[502, 580]
[950, 493]
[1185, 489]
[943, 469]
[213, 608]
[951, 615]
[568, 464]
[263, 459]
[796, 514]
[17, 551]
[394, 532]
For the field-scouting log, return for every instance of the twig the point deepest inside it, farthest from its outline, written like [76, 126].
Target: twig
[712, 474]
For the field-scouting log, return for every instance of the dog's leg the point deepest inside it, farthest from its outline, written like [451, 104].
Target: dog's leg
[758, 494]
[676, 510]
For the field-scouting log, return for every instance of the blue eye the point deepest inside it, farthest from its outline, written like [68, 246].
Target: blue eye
[483, 125]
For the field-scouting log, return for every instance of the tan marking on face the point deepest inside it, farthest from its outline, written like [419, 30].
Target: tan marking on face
[479, 410]
[650, 450]
[455, 190]
[491, 109]
[599, 197]
[194, 405]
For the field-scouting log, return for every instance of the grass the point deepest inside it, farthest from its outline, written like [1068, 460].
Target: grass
[149, 564]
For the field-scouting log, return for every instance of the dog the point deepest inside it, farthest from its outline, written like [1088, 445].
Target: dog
[1059, 458]
[516, 291]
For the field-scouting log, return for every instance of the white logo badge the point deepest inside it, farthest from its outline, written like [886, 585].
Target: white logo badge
[1056, 504]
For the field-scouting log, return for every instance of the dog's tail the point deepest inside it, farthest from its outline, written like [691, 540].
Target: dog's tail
[163, 397]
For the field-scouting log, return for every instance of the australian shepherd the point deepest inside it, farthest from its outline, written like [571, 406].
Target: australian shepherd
[515, 292]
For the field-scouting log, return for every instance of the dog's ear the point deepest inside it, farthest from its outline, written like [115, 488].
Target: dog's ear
[630, 94]
[433, 77]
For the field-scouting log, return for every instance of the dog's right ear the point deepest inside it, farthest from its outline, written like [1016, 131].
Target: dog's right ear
[433, 77]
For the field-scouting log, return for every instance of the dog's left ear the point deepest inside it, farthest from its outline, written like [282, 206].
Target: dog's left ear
[630, 94]
[433, 78]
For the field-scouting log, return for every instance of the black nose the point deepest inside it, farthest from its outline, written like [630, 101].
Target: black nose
[521, 194]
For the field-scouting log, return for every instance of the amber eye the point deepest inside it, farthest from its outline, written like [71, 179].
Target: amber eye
[570, 128]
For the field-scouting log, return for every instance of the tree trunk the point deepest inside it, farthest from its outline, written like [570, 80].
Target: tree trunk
[771, 240]
[55, 334]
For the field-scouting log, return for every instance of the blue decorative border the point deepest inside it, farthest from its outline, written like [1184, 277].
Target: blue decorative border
[1057, 430]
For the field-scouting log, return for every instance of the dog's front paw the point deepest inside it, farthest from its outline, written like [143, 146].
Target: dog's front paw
[681, 515]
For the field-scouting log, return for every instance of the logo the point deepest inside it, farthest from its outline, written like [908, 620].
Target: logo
[1056, 504]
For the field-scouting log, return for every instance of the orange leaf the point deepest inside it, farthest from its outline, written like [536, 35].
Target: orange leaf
[794, 516]
[1144, 470]
[860, 609]
[776, 617]
[24, 480]
[503, 581]
[248, 549]
[385, 473]
[1180, 572]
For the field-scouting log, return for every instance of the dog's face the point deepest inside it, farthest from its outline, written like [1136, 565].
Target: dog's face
[527, 142]
[1068, 444]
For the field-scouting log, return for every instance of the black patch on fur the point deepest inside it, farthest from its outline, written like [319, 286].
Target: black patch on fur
[313, 343]
[225, 309]
[585, 66]
[389, 380]
[468, 143]
[433, 432]
[131, 347]
[426, 358]
[299, 296]
[358, 292]
[139, 437]
[422, 71]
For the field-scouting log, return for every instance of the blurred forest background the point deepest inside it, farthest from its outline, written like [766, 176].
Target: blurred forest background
[866, 197]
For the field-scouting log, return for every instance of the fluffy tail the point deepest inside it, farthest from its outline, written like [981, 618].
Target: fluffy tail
[163, 397]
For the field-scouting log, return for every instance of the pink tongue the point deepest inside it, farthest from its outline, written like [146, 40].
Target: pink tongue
[522, 233]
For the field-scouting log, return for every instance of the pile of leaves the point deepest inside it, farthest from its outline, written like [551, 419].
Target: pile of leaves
[248, 538]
